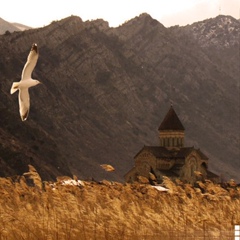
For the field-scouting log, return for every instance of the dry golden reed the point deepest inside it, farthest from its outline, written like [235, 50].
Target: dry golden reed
[111, 210]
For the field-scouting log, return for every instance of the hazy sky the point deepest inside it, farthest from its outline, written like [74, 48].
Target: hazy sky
[168, 12]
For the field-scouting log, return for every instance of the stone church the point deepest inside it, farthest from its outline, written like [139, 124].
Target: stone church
[171, 158]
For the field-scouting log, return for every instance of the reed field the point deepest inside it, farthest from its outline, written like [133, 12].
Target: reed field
[112, 210]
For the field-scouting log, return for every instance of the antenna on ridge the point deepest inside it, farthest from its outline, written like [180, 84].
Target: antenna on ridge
[219, 8]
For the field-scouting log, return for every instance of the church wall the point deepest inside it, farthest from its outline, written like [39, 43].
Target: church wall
[193, 164]
[164, 164]
[131, 176]
[144, 162]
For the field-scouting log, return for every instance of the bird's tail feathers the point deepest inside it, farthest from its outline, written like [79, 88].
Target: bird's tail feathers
[14, 87]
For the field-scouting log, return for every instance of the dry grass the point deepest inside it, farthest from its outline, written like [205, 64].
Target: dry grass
[116, 211]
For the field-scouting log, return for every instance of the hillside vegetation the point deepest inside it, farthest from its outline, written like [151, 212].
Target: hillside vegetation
[111, 210]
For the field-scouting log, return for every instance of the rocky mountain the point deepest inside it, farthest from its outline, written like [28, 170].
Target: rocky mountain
[219, 37]
[11, 27]
[106, 90]
[221, 32]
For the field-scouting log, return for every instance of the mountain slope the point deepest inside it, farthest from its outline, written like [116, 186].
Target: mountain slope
[21, 27]
[219, 38]
[105, 92]
[6, 26]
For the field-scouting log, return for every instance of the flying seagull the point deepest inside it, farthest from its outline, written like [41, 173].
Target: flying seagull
[107, 167]
[26, 82]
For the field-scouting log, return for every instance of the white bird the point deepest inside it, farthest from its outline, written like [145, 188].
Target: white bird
[26, 82]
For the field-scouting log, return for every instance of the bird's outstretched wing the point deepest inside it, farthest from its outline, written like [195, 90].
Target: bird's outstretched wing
[24, 103]
[31, 62]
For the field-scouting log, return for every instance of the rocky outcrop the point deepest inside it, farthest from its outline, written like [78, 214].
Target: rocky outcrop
[221, 32]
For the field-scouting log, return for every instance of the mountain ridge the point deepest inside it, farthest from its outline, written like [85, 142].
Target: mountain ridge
[106, 90]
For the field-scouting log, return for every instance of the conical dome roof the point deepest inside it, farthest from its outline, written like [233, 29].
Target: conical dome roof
[171, 121]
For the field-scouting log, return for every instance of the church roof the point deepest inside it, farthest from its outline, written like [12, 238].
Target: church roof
[162, 152]
[171, 121]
